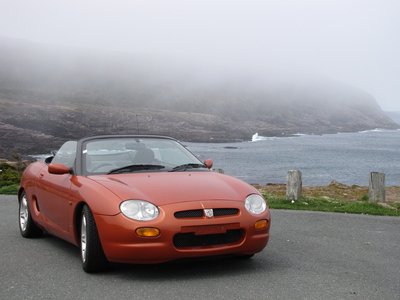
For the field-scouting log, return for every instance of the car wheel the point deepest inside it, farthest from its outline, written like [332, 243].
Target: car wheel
[27, 227]
[93, 258]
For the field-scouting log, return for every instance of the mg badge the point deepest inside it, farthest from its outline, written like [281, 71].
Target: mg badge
[209, 212]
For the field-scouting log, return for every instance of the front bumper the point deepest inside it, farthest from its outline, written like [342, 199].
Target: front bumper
[121, 243]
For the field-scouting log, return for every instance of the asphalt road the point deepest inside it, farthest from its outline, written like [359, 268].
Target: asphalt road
[310, 256]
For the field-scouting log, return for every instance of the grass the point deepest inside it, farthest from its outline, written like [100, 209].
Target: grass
[328, 204]
[9, 189]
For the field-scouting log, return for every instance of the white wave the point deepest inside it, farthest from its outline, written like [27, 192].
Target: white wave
[40, 157]
[257, 138]
[373, 130]
[299, 134]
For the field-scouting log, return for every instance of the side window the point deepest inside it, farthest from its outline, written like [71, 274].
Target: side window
[66, 155]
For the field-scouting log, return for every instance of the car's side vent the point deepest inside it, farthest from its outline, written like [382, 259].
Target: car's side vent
[36, 203]
[199, 213]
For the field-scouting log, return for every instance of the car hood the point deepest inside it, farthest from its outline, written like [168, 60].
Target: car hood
[163, 188]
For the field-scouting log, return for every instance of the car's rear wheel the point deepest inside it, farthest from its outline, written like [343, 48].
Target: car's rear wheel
[27, 227]
[93, 258]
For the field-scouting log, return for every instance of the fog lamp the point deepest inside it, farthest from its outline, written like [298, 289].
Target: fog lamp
[261, 225]
[148, 232]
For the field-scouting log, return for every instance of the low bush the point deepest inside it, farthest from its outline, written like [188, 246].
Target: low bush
[9, 189]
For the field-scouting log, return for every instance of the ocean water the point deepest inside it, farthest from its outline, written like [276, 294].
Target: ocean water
[345, 157]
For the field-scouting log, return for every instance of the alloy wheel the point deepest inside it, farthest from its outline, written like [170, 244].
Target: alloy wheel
[83, 238]
[23, 213]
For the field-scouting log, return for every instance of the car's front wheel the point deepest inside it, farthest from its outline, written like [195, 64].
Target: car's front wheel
[27, 227]
[93, 258]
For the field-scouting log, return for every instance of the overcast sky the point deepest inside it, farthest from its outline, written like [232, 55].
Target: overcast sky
[354, 41]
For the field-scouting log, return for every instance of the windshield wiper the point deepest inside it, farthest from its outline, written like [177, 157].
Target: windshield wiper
[187, 166]
[132, 168]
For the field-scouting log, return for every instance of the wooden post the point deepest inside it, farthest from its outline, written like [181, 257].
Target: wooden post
[294, 185]
[376, 190]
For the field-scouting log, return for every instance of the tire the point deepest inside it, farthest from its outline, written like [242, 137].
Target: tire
[92, 255]
[27, 227]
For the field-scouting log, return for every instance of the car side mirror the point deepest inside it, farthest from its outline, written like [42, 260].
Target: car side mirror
[208, 163]
[58, 169]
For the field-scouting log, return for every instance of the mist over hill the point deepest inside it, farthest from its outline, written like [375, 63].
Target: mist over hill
[49, 95]
[394, 115]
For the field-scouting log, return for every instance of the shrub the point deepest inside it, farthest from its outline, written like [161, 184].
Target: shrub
[9, 189]
[8, 175]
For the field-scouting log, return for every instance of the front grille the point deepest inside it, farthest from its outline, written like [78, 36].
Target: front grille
[225, 212]
[194, 213]
[185, 240]
[198, 213]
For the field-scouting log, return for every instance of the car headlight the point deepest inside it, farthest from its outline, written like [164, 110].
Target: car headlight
[255, 204]
[139, 210]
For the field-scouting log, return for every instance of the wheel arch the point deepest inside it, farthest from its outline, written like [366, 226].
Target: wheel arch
[20, 191]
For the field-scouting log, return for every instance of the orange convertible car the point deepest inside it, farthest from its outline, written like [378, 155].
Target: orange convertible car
[140, 199]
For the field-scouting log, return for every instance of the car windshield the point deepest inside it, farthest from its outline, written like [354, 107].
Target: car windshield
[133, 154]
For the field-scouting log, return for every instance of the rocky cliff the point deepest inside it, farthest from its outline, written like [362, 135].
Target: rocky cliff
[49, 95]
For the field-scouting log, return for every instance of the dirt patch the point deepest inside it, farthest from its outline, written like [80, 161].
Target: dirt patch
[334, 190]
